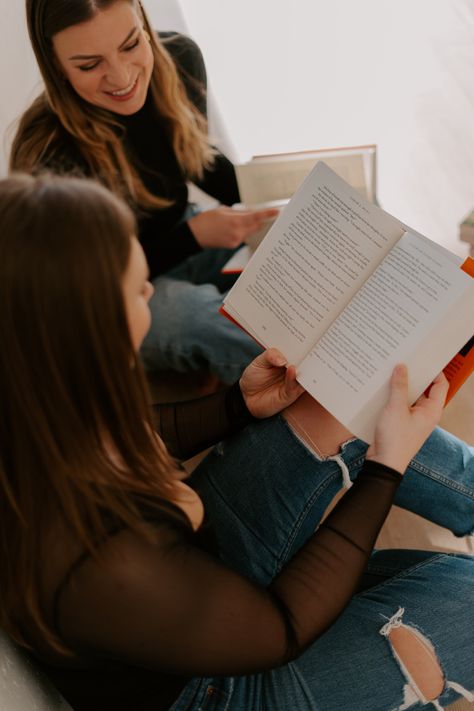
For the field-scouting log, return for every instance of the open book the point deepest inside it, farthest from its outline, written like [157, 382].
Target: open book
[276, 177]
[346, 291]
[271, 180]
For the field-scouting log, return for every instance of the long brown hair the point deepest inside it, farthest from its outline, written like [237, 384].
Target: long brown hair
[71, 387]
[95, 131]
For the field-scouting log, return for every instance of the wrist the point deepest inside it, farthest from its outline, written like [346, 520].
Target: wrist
[236, 405]
[194, 223]
[392, 461]
[372, 467]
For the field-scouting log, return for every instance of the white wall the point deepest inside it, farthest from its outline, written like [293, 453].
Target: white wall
[312, 73]
[18, 73]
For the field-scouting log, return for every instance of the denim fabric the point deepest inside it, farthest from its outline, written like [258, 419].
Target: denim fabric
[266, 493]
[187, 331]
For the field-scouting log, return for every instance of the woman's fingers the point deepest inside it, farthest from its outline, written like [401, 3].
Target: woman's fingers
[254, 219]
[399, 386]
[275, 357]
[439, 390]
[436, 396]
[401, 430]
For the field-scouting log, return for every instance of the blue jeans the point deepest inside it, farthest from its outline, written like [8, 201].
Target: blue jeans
[187, 330]
[266, 493]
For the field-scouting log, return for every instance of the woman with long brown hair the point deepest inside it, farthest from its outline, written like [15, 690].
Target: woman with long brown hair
[128, 108]
[128, 596]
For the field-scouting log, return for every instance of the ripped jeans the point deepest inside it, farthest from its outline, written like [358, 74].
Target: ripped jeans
[266, 493]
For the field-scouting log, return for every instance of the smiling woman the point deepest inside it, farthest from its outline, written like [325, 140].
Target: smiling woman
[113, 64]
[128, 108]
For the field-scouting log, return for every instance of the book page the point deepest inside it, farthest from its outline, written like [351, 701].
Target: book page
[416, 308]
[238, 261]
[321, 249]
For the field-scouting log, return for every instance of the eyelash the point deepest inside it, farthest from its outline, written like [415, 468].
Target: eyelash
[125, 49]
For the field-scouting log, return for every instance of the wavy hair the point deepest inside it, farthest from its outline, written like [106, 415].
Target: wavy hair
[97, 135]
[76, 431]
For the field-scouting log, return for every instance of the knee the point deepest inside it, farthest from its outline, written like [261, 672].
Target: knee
[416, 657]
[185, 305]
[419, 659]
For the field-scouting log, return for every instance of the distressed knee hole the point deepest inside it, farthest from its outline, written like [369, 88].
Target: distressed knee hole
[419, 664]
[418, 658]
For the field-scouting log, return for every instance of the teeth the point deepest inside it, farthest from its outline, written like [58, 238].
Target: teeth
[123, 92]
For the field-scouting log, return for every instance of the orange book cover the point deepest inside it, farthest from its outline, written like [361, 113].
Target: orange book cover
[462, 365]
[232, 320]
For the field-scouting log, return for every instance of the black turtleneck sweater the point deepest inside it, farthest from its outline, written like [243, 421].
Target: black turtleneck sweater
[165, 238]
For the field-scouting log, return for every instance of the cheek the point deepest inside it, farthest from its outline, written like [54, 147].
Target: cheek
[147, 58]
[84, 85]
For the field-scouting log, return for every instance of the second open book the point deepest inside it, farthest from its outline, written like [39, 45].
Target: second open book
[346, 291]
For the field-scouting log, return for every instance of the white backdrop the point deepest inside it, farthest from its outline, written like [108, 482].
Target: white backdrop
[312, 73]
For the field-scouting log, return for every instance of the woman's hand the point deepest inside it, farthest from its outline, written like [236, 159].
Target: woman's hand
[268, 386]
[402, 430]
[227, 227]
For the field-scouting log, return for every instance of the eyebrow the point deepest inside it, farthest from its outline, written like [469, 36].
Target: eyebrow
[96, 56]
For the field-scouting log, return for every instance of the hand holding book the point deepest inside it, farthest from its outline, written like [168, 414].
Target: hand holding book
[227, 227]
[346, 291]
[269, 384]
[401, 430]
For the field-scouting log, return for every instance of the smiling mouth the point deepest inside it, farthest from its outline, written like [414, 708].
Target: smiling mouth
[123, 92]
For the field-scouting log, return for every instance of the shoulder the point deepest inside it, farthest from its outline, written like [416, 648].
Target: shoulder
[64, 557]
[43, 144]
[63, 157]
[185, 52]
[123, 558]
[190, 65]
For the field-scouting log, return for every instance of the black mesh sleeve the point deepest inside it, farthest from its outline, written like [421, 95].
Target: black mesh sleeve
[189, 427]
[168, 605]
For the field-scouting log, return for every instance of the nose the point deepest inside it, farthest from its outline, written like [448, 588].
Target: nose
[150, 290]
[118, 74]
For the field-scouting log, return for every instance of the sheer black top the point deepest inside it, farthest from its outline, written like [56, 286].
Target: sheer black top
[150, 615]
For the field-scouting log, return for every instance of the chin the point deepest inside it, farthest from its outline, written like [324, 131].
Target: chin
[127, 109]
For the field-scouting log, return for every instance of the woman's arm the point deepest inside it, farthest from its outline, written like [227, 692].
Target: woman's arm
[166, 604]
[171, 606]
[267, 386]
[190, 427]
